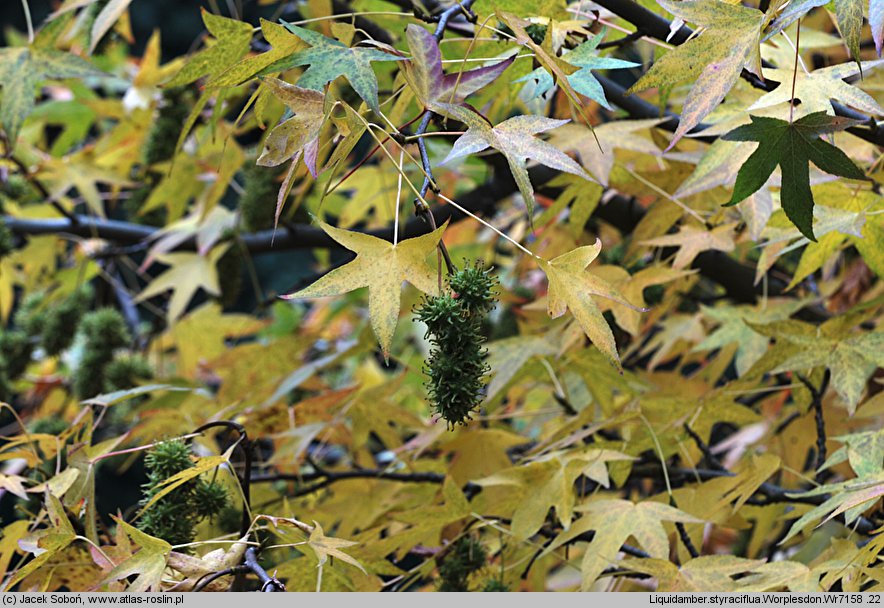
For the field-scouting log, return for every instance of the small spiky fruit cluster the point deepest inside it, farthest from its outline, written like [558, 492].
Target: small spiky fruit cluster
[175, 516]
[259, 187]
[456, 366]
[104, 331]
[7, 242]
[466, 556]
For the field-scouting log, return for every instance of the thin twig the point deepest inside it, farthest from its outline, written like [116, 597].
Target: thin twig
[269, 584]
[41, 188]
[816, 402]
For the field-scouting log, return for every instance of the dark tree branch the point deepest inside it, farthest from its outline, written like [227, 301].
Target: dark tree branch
[622, 212]
[816, 402]
[326, 478]
[245, 479]
[269, 584]
[32, 179]
[710, 458]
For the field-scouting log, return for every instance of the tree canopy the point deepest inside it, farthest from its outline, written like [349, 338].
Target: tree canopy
[420, 295]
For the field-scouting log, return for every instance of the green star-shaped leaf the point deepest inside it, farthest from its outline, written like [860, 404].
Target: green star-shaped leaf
[792, 146]
[328, 59]
[22, 69]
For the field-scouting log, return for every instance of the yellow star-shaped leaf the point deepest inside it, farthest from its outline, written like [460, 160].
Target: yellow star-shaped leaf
[692, 241]
[570, 287]
[381, 266]
[327, 546]
[188, 272]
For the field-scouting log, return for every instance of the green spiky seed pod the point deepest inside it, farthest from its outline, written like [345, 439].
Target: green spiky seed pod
[15, 352]
[60, 322]
[175, 516]
[124, 372]
[257, 203]
[466, 557]
[475, 287]
[209, 498]
[229, 268]
[165, 459]
[104, 331]
[7, 240]
[31, 316]
[16, 187]
[494, 585]
[456, 366]
[163, 136]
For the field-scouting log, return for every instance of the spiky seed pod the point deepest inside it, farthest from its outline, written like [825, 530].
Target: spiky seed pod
[467, 555]
[494, 585]
[175, 516]
[125, 372]
[163, 136]
[7, 240]
[104, 331]
[165, 459]
[456, 366]
[30, 316]
[60, 323]
[15, 352]
[229, 268]
[209, 498]
[256, 206]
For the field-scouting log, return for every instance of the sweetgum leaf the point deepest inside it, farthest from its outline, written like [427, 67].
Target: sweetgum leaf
[791, 146]
[296, 135]
[434, 88]
[714, 59]
[850, 22]
[22, 69]
[515, 139]
[571, 288]
[381, 266]
[586, 58]
[148, 563]
[232, 39]
[614, 521]
[328, 58]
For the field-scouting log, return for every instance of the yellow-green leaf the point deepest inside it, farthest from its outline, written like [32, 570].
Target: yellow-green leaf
[382, 267]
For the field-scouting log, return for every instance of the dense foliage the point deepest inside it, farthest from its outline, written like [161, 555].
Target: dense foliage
[417, 295]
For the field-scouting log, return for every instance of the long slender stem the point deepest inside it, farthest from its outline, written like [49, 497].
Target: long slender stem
[795, 71]
[30, 23]
[398, 195]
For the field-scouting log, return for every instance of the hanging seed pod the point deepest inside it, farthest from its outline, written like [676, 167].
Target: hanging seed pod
[456, 366]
